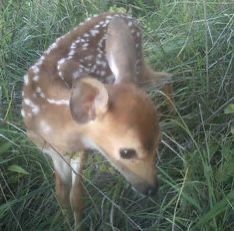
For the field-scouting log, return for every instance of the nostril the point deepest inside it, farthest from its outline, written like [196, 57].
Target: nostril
[152, 191]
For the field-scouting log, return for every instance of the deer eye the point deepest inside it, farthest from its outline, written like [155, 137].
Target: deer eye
[126, 153]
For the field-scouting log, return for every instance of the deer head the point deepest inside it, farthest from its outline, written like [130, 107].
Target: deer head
[120, 120]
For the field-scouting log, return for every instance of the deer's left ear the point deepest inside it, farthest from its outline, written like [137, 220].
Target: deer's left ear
[89, 100]
[151, 78]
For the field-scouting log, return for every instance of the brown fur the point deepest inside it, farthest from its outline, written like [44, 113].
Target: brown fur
[65, 115]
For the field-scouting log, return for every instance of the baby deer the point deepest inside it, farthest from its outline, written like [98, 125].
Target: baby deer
[82, 94]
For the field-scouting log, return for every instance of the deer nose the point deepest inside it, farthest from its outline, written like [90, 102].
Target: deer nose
[151, 191]
[147, 190]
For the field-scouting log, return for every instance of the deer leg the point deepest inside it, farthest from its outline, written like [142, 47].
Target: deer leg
[76, 193]
[63, 177]
[62, 170]
[62, 189]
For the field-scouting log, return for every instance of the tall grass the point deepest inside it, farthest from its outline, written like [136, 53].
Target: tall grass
[191, 39]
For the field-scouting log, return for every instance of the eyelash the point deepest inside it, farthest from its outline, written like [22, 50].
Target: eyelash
[126, 153]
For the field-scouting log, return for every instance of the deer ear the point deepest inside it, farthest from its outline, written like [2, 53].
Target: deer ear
[161, 80]
[154, 79]
[89, 100]
[121, 51]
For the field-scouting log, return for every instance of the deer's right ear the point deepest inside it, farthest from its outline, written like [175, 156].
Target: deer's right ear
[121, 51]
[89, 100]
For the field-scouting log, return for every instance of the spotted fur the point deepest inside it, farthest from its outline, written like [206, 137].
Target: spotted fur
[82, 93]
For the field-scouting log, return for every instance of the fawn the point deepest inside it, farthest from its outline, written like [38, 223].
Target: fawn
[83, 93]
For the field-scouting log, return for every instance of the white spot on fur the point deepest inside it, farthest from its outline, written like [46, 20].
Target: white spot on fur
[100, 43]
[87, 19]
[52, 47]
[98, 61]
[73, 46]
[35, 69]
[61, 61]
[35, 109]
[109, 17]
[27, 101]
[40, 61]
[86, 35]
[38, 90]
[57, 40]
[23, 113]
[58, 102]
[45, 127]
[89, 57]
[76, 74]
[42, 95]
[78, 41]
[26, 80]
[60, 75]
[130, 23]
[36, 77]
[103, 73]
[101, 62]
[94, 32]
[97, 26]
[101, 23]
[106, 22]
[71, 53]
[81, 68]
[99, 55]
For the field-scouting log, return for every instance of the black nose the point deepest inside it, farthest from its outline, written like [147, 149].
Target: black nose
[147, 189]
[151, 190]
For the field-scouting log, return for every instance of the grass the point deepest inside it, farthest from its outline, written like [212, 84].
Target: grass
[191, 39]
